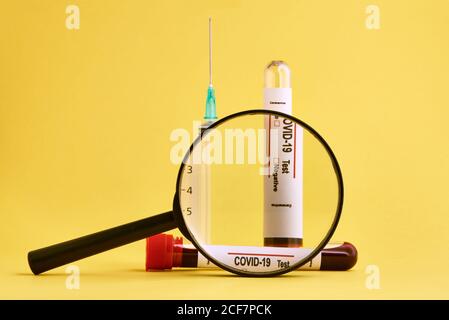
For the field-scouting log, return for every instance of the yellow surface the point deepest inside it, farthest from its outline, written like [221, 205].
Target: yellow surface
[85, 118]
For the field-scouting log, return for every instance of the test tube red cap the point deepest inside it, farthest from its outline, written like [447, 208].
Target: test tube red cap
[160, 251]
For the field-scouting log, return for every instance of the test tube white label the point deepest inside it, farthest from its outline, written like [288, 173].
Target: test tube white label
[258, 259]
[283, 187]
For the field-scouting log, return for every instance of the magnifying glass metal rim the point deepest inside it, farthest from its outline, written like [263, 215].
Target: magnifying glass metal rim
[186, 231]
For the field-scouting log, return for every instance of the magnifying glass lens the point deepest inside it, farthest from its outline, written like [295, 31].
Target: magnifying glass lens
[260, 193]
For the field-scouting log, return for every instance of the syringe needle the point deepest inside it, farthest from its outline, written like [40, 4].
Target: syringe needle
[210, 51]
[211, 113]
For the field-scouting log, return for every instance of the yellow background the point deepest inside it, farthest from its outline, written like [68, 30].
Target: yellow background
[85, 118]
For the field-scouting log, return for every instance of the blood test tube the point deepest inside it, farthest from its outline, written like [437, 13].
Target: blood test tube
[164, 251]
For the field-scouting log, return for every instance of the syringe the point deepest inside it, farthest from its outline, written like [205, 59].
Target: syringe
[201, 173]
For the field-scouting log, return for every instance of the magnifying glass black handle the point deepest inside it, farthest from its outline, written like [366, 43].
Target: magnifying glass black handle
[47, 258]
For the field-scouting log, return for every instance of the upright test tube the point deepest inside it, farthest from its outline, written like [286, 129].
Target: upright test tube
[283, 186]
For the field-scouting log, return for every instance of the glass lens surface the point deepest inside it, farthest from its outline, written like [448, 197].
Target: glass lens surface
[259, 194]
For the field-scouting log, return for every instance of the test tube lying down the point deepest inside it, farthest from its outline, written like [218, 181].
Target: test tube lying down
[164, 251]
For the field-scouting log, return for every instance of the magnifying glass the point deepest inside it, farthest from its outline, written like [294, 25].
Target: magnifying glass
[259, 193]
